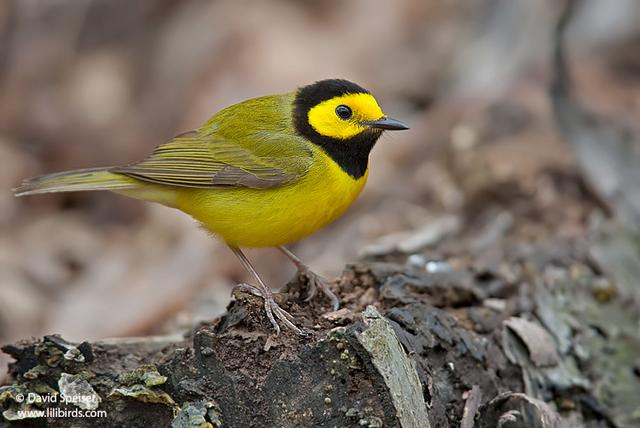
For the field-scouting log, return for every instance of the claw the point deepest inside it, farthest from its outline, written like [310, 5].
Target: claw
[248, 288]
[313, 289]
[315, 282]
[271, 308]
[270, 305]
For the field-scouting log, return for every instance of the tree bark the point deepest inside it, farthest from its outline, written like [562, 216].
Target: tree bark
[524, 343]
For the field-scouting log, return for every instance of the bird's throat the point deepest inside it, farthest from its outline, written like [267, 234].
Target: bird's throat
[351, 155]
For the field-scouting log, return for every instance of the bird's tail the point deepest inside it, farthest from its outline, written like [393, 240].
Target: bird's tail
[76, 180]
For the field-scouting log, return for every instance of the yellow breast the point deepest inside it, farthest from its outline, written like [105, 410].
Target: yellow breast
[268, 217]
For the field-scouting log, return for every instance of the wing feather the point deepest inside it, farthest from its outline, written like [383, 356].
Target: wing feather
[203, 160]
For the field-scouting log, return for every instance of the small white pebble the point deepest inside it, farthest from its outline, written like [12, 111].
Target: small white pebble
[437, 266]
[417, 260]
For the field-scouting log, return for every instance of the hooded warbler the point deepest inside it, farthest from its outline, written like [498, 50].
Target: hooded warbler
[261, 173]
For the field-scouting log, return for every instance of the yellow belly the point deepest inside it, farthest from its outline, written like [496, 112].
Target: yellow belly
[268, 217]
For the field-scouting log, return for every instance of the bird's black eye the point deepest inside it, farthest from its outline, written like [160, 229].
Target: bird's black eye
[344, 112]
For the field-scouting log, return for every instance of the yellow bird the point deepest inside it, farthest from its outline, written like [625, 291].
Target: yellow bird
[261, 173]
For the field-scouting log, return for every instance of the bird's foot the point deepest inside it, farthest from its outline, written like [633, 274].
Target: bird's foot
[316, 282]
[271, 308]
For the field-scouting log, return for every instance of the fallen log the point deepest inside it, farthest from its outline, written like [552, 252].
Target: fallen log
[398, 354]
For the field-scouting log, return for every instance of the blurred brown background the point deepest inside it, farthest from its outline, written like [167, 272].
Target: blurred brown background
[101, 82]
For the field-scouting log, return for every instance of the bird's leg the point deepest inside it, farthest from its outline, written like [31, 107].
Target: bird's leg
[315, 280]
[261, 290]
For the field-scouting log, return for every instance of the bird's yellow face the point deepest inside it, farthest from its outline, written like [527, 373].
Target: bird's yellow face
[342, 118]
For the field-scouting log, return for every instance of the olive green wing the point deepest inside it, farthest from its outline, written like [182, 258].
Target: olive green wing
[201, 160]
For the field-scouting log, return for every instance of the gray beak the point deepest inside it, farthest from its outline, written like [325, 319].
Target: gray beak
[386, 123]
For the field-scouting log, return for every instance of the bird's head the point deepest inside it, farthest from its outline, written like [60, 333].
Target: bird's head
[341, 117]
